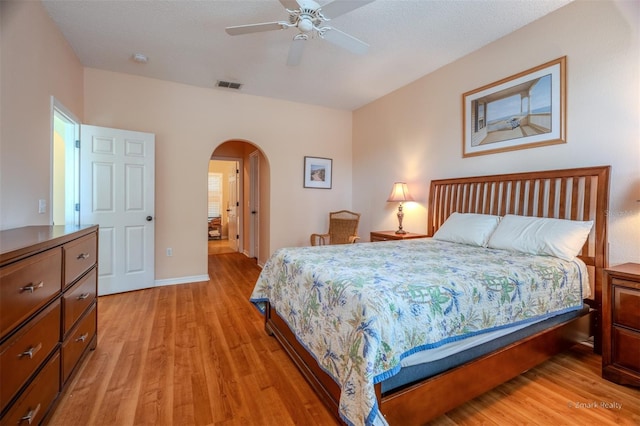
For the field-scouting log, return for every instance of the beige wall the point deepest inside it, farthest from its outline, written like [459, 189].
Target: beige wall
[189, 123]
[415, 133]
[36, 63]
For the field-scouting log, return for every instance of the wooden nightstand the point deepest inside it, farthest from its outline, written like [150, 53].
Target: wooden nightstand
[391, 235]
[621, 324]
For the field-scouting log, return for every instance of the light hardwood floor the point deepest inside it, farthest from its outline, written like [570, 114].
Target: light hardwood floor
[220, 247]
[197, 354]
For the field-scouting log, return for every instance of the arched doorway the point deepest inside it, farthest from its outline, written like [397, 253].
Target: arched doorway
[251, 209]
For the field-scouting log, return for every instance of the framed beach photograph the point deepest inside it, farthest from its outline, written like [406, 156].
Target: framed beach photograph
[317, 172]
[526, 110]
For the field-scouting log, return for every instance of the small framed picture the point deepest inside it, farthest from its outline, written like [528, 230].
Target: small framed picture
[317, 172]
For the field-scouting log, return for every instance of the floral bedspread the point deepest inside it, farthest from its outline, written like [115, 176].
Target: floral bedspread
[360, 308]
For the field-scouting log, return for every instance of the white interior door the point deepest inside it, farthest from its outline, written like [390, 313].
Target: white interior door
[117, 179]
[232, 206]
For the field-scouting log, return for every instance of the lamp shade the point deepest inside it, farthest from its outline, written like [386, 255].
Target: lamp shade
[400, 192]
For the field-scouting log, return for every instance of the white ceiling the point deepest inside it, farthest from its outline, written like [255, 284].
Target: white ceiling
[186, 42]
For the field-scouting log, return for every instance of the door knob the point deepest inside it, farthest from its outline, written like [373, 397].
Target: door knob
[149, 218]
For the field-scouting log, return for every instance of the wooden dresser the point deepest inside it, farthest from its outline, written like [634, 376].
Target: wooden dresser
[621, 324]
[48, 315]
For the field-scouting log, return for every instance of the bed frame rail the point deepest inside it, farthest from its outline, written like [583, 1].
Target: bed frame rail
[424, 401]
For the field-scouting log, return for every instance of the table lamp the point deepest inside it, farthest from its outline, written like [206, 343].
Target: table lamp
[400, 193]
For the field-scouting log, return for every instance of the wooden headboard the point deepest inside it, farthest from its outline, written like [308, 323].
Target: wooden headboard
[576, 194]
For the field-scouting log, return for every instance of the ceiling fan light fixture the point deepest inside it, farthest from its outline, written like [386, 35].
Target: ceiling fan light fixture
[305, 24]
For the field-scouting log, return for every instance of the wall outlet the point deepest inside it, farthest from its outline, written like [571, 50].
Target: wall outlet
[169, 251]
[42, 206]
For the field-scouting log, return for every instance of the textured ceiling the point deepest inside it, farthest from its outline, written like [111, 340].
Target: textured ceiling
[186, 42]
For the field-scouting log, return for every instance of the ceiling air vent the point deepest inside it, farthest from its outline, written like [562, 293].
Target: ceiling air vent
[228, 85]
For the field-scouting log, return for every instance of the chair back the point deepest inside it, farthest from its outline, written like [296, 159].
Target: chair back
[343, 227]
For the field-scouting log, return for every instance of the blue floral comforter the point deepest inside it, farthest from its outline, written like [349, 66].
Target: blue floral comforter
[360, 308]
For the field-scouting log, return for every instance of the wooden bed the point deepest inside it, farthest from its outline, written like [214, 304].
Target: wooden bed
[576, 194]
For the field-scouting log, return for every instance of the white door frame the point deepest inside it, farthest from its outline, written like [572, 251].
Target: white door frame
[254, 204]
[71, 168]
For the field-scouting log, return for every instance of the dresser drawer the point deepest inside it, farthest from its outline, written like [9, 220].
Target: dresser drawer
[21, 355]
[626, 306]
[79, 256]
[77, 342]
[27, 285]
[35, 401]
[78, 298]
[626, 348]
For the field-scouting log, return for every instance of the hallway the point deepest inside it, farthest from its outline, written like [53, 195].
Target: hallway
[219, 247]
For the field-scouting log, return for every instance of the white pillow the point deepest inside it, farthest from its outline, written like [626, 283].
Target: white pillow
[541, 236]
[467, 228]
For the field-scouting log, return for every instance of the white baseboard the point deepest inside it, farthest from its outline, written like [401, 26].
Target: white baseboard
[181, 280]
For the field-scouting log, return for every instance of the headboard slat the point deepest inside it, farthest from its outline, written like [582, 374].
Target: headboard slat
[563, 199]
[521, 191]
[553, 191]
[575, 193]
[541, 197]
[495, 194]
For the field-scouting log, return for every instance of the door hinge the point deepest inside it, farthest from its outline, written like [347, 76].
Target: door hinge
[78, 143]
[237, 203]
[237, 236]
[77, 207]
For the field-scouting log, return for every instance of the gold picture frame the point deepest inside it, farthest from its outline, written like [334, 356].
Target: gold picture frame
[523, 111]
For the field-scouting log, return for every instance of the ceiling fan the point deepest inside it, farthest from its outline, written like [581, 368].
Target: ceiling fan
[310, 18]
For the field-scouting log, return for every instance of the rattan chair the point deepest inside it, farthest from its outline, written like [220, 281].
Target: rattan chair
[343, 229]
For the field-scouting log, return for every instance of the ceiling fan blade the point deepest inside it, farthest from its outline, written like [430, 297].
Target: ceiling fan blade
[345, 41]
[290, 4]
[295, 51]
[340, 7]
[256, 28]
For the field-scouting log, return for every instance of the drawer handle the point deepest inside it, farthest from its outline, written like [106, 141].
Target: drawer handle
[31, 351]
[32, 287]
[83, 296]
[30, 415]
[82, 338]
[83, 256]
